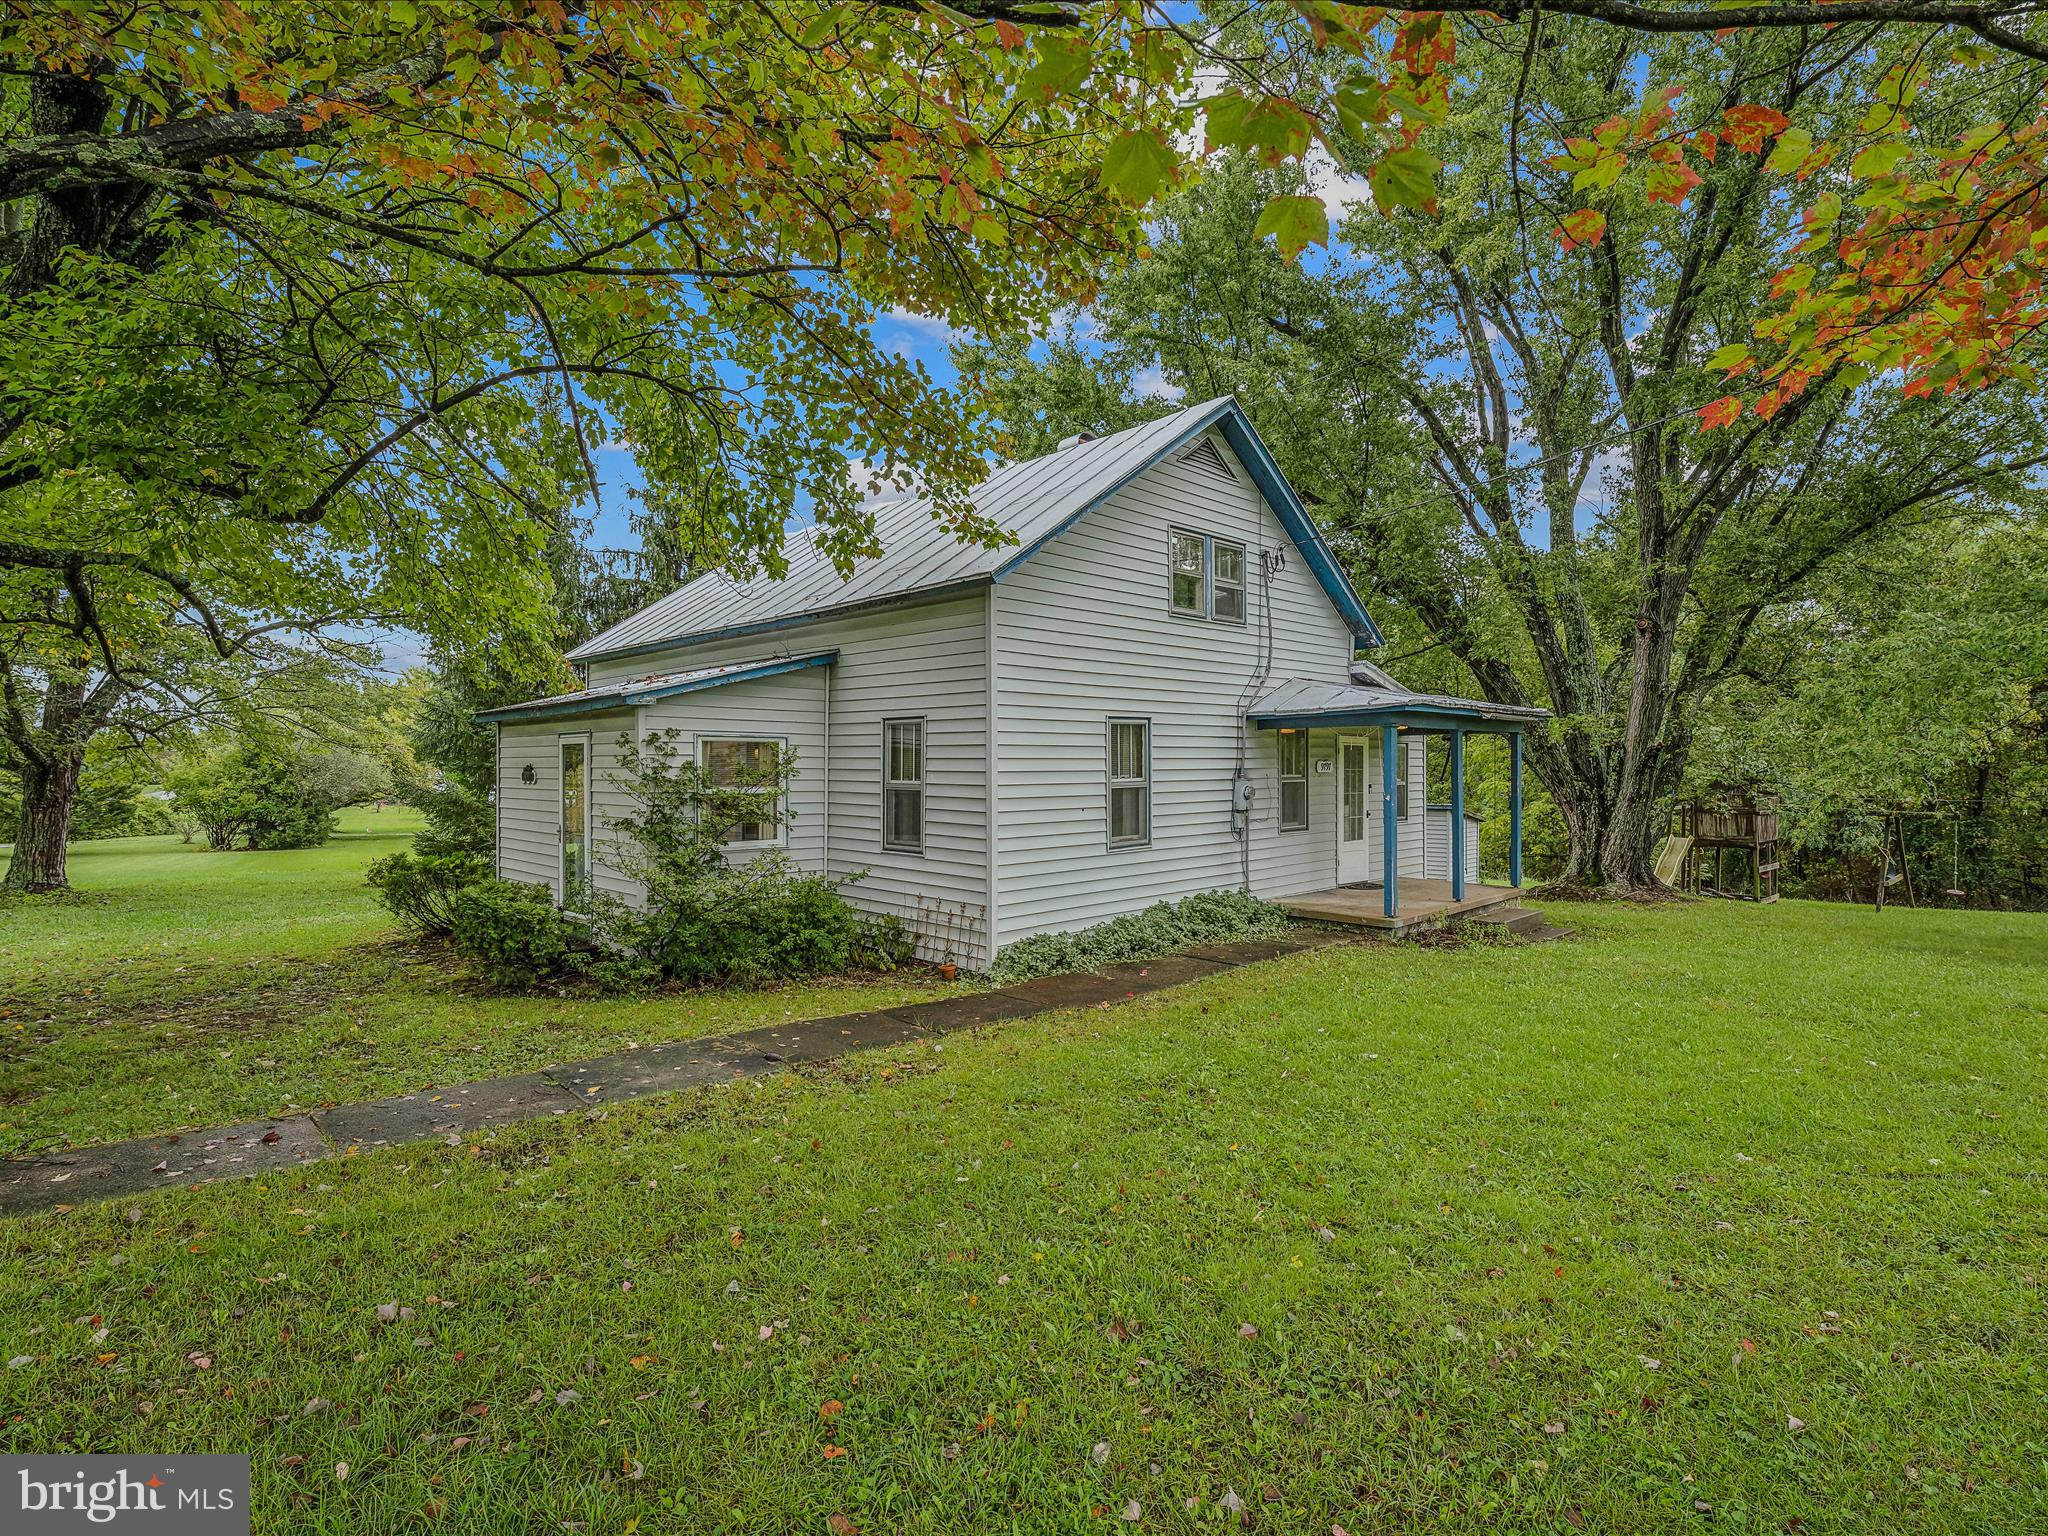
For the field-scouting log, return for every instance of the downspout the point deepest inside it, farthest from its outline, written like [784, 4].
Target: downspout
[989, 780]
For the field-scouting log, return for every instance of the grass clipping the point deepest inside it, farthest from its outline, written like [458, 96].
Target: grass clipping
[1207, 918]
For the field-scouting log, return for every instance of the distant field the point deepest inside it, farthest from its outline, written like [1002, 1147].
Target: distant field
[182, 987]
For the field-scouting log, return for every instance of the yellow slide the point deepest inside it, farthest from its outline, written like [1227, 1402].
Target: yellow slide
[1671, 859]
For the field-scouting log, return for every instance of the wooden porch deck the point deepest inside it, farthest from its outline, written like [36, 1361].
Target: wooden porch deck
[1423, 903]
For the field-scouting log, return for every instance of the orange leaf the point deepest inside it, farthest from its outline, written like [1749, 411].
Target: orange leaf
[1746, 127]
[1722, 412]
[833, 1452]
[1584, 227]
[830, 1408]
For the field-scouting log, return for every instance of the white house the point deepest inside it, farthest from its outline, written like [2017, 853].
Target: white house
[1151, 692]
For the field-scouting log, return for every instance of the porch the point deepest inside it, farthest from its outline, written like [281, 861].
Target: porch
[1420, 904]
[1374, 717]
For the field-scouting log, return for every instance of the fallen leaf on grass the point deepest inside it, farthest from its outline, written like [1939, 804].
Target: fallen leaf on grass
[830, 1408]
[1554, 1427]
[1100, 1455]
[203, 1362]
[1133, 1510]
[839, 1525]
[1247, 1331]
[833, 1452]
[341, 1471]
[1794, 1425]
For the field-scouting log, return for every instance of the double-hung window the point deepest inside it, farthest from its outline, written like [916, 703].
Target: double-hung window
[1130, 783]
[1205, 577]
[752, 766]
[1293, 780]
[1401, 781]
[903, 785]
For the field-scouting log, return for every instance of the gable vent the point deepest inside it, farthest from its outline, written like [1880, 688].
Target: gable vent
[1205, 455]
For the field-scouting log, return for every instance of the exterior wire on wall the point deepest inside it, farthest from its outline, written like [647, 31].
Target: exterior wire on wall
[1270, 562]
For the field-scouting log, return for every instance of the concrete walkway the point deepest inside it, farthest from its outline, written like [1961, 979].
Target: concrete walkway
[193, 1158]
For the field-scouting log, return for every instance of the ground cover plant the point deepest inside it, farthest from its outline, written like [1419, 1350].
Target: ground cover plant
[182, 987]
[1716, 1218]
[1210, 917]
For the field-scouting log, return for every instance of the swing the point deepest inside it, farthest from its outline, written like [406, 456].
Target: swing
[1955, 860]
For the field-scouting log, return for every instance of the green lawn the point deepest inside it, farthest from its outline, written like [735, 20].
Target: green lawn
[183, 987]
[1558, 1238]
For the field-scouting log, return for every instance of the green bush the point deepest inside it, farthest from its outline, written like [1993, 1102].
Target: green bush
[1207, 918]
[884, 943]
[515, 932]
[420, 889]
[260, 794]
[761, 920]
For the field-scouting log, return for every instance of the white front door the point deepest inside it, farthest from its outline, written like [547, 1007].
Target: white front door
[1354, 825]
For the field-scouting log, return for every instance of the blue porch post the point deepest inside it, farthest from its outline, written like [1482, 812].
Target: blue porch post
[1515, 808]
[1457, 815]
[1390, 832]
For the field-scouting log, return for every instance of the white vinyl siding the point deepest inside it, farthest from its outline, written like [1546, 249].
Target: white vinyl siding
[1079, 640]
[1437, 844]
[930, 656]
[530, 815]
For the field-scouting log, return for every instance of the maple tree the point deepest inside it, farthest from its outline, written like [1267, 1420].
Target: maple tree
[1501, 435]
[319, 313]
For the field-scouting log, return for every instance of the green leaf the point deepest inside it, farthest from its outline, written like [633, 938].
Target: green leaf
[1730, 357]
[1296, 222]
[1405, 178]
[1879, 159]
[1136, 166]
[1362, 105]
[1062, 64]
[1791, 151]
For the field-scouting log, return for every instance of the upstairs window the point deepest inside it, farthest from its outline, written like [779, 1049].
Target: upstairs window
[1293, 780]
[1191, 575]
[1206, 577]
[903, 785]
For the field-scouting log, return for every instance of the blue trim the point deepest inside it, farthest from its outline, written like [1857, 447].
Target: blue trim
[1390, 834]
[1431, 719]
[1457, 815]
[1280, 496]
[1515, 811]
[1287, 506]
[567, 709]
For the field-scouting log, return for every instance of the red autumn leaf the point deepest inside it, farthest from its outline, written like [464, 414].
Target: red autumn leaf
[1746, 127]
[1721, 413]
[833, 1452]
[1670, 180]
[1585, 227]
[1009, 34]
[830, 1408]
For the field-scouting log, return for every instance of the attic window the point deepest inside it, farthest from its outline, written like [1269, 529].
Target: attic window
[1206, 456]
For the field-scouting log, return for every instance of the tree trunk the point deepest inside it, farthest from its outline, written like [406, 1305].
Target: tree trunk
[47, 792]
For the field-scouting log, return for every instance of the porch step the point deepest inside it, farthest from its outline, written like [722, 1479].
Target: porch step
[1526, 924]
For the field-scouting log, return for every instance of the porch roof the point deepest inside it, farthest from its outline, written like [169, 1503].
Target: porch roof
[1302, 703]
[650, 686]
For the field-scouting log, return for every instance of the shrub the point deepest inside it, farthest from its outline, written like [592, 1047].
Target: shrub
[884, 943]
[259, 794]
[763, 920]
[515, 932]
[1205, 918]
[420, 889]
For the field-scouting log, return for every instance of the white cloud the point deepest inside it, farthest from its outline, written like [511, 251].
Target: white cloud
[877, 486]
[1340, 193]
[925, 330]
[1152, 381]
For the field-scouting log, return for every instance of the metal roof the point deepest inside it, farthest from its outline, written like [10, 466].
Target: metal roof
[1034, 501]
[645, 689]
[1300, 701]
